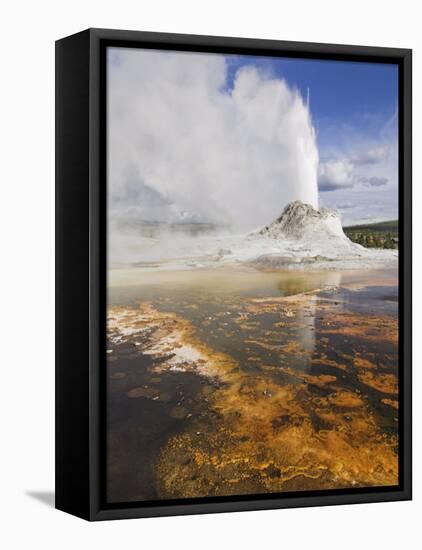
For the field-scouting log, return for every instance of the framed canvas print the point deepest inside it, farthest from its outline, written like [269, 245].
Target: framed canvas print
[233, 274]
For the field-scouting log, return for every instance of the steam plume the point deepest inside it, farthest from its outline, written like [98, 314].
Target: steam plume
[186, 143]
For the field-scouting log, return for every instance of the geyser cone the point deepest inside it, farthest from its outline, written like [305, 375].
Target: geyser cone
[300, 220]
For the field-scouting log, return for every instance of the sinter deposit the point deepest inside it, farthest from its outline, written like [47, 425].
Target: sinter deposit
[302, 221]
[306, 236]
[302, 237]
[309, 238]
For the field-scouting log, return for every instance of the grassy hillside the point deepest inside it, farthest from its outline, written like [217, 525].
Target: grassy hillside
[375, 235]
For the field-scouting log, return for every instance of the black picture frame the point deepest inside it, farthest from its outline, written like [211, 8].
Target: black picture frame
[81, 271]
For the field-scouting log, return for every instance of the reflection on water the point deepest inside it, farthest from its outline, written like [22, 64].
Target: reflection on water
[127, 285]
[242, 383]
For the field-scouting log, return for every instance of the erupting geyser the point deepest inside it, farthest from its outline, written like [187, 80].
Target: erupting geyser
[229, 152]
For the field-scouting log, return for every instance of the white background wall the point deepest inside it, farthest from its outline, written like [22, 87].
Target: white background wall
[28, 31]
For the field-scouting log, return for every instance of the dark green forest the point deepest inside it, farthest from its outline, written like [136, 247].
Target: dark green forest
[375, 235]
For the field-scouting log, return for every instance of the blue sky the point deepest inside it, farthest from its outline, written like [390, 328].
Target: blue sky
[361, 95]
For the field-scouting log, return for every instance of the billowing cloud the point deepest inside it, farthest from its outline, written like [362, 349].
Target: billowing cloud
[364, 168]
[374, 181]
[182, 145]
[335, 174]
[341, 174]
[372, 156]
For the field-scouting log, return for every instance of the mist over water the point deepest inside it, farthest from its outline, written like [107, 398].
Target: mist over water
[184, 147]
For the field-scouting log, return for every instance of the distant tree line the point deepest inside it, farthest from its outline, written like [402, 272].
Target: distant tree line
[373, 239]
[375, 235]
